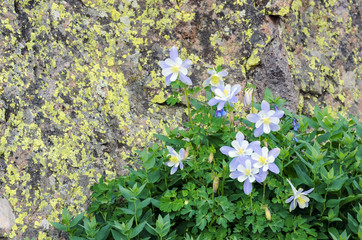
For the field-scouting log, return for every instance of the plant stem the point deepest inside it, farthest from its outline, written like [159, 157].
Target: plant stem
[188, 106]
[264, 183]
[223, 181]
[251, 203]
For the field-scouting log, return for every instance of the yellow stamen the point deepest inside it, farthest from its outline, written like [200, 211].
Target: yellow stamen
[241, 151]
[214, 80]
[300, 200]
[247, 172]
[226, 92]
[174, 159]
[175, 69]
[266, 120]
[262, 160]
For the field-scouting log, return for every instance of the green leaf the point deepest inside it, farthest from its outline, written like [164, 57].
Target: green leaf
[76, 238]
[137, 229]
[352, 224]
[59, 226]
[196, 103]
[176, 142]
[334, 233]
[76, 220]
[337, 184]
[268, 96]
[103, 233]
[118, 235]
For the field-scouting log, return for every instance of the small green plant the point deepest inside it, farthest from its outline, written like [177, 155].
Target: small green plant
[226, 177]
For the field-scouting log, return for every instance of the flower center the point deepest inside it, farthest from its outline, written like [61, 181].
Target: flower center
[175, 69]
[226, 92]
[214, 80]
[247, 172]
[266, 120]
[300, 200]
[241, 151]
[174, 159]
[262, 160]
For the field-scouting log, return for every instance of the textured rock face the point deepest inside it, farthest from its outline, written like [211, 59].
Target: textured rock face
[7, 217]
[81, 88]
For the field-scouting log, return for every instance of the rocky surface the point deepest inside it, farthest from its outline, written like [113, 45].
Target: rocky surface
[81, 89]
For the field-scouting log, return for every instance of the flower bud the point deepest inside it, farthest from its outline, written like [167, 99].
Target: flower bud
[186, 152]
[267, 213]
[215, 184]
[211, 157]
[248, 96]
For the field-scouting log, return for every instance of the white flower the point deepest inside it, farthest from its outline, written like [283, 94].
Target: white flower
[299, 197]
[265, 159]
[215, 80]
[175, 159]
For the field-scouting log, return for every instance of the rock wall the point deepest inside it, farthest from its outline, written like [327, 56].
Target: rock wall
[81, 89]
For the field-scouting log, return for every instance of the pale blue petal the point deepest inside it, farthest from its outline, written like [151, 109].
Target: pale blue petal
[163, 64]
[173, 170]
[168, 80]
[223, 73]
[289, 199]
[187, 63]
[254, 144]
[261, 176]
[278, 114]
[274, 168]
[247, 187]
[309, 191]
[293, 205]
[236, 162]
[258, 131]
[173, 53]
[234, 99]
[240, 137]
[274, 127]
[235, 174]
[253, 118]
[225, 150]
[181, 165]
[213, 101]
[185, 79]
[172, 151]
[257, 149]
[265, 107]
[221, 105]
[182, 153]
[274, 152]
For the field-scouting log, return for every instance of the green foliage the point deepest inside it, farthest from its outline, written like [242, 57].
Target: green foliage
[203, 202]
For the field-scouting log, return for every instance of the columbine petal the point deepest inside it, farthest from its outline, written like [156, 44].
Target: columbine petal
[258, 131]
[181, 153]
[289, 199]
[173, 53]
[309, 191]
[223, 73]
[166, 71]
[213, 101]
[225, 150]
[293, 205]
[266, 128]
[183, 70]
[274, 168]
[173, 170]
[261, 176]
[171, 151]
[221, 105]
[187, 63]
[236, 162]
[181, 165]
[235, 174]
[168, 80]
[170, 62]
[274, 127]
[247, 187]
[265, 107]
[274, 152]
[163, 64]
[278, 114]
[185, 79]
[239, 137]
[174, 77]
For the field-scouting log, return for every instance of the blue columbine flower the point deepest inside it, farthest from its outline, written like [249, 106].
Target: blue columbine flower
[224, 95]
[299, 197]
[266, 120]
[220, 113]
[264, 159]
[248, 96]
[174, 67]
[240, 150]
[215, 80]
[175, 159]
[248, 174]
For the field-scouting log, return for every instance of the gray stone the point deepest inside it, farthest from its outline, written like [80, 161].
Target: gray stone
[7, 217]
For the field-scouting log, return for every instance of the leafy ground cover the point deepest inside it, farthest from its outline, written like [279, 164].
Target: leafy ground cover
[269, 175]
